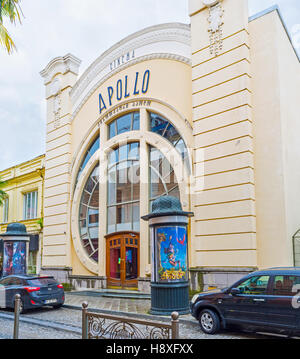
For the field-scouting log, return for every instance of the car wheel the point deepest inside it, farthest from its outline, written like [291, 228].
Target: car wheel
[209, 321]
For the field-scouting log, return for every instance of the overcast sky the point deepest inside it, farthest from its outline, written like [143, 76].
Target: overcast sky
[85, 28]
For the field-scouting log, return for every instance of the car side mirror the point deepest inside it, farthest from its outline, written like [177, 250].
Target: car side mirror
[235, 291]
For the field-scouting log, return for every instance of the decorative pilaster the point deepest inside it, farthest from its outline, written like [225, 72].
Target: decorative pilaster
[225, 217]
[59, 76]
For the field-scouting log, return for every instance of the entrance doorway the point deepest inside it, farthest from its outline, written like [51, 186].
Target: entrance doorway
[122, 260]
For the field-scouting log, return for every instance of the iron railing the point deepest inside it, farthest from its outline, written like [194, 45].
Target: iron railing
[104, 326]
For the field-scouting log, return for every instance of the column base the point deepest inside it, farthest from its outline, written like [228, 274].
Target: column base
[169, 298]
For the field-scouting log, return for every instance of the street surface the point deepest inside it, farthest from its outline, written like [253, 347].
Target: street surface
[64, 323]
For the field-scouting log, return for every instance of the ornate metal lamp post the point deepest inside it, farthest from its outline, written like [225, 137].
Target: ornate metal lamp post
[169, 242]
[14, 250]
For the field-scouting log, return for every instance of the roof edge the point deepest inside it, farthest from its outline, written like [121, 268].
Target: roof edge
[277, 9]
[163, 26]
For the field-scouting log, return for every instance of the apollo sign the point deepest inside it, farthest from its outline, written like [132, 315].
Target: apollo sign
[123, 89]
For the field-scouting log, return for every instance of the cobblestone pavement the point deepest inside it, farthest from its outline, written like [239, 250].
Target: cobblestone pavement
[29, 331]
[73, 317]
[139, 306]
[51, 319]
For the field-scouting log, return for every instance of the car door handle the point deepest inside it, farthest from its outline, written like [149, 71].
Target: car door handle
[259, 300]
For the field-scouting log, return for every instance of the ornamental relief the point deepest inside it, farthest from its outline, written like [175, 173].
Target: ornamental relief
[216, 23]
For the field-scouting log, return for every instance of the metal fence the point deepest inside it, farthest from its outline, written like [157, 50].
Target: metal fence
[104, 326]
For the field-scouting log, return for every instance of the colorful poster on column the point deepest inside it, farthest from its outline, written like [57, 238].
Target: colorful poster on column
[14, 258]
[172, 261]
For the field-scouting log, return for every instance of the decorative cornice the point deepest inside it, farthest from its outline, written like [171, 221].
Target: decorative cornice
[147, 44]
[62, 64]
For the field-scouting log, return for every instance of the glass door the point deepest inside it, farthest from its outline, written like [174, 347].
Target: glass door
[122, 258]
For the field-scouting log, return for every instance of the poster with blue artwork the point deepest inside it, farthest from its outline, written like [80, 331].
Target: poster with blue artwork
[14, 258]
[172, 254]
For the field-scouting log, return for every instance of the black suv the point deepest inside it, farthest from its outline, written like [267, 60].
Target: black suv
[266, 300]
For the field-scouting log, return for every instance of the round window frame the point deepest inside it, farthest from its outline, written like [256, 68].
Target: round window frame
[151, 139]
[89, 263]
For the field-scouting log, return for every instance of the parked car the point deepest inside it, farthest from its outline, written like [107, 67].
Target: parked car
[267, 300]
[35, 292]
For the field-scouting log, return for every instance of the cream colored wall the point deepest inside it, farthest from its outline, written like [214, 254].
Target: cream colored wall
[169, 83]
[170, 92]
[289, 73]
[57, 247]
[242, 106]
[224, 227]
[276, 88]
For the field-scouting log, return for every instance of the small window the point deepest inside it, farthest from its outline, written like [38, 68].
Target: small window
[284, 285]
[126, 123]
[32, 261]
[16, 281]
[40, 282]
[255, 285]
[7, 282]
[30, 205]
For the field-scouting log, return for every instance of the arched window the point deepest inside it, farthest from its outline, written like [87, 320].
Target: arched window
[163, 180]
[123, 200]
[89, 215]
[123, 180]
[164, 128]
[90, 152]
[126, 123]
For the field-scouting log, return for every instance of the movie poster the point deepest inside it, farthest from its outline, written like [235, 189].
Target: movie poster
[172, 254]
[14, 258]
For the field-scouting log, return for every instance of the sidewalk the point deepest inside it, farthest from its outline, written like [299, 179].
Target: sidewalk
[105, 302]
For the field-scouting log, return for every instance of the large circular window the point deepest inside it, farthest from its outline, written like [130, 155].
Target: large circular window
[124, 180]
[89, 215]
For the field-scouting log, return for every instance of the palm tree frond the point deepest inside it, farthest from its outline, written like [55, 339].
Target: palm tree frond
[10, 9]
[6, 40]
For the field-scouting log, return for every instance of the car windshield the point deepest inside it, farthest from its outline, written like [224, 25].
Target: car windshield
[39, 282]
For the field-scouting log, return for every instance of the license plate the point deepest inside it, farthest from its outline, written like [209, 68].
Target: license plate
[50, 301]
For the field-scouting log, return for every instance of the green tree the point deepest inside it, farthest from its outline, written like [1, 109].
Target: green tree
[11, 10]
[3, 194]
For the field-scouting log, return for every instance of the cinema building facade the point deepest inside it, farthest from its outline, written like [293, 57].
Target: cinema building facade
[207, 113]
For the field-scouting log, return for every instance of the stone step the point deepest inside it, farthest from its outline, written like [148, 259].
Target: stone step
[112, 293]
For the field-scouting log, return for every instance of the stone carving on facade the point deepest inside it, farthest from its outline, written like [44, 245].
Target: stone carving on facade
[215, 20]
[56, 91]
[57, 109]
